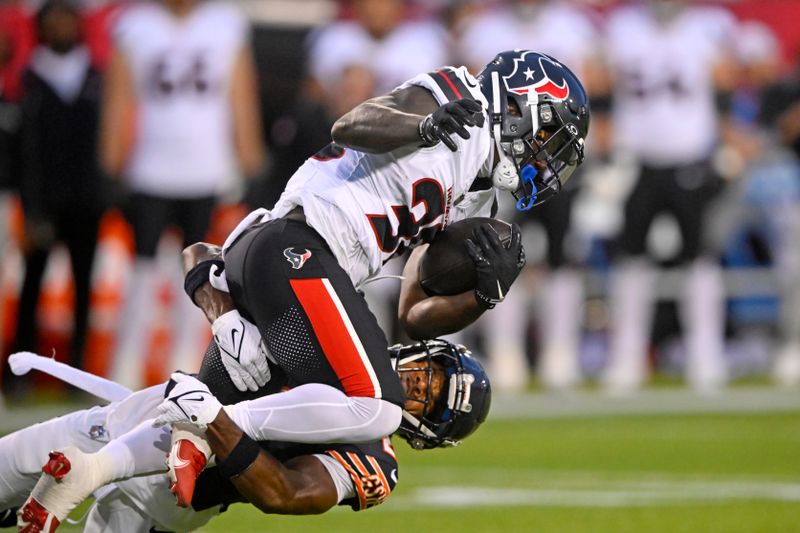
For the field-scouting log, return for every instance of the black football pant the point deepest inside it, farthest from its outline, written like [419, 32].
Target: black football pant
[283, 277]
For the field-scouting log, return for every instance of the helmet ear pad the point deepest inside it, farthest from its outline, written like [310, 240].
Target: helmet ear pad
[504, 175]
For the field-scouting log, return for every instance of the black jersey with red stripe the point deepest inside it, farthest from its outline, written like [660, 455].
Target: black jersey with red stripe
[372, 467]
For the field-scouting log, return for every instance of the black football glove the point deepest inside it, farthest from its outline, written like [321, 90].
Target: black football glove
[497, 266]
[451, 118]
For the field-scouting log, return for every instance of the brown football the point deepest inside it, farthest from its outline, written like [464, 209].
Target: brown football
[446, 268]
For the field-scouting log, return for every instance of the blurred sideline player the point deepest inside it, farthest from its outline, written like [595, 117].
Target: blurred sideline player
[380, 37]
[671, 67]
[781, 107]
[9, 156]
[182, 73]
[61, 187]
[404, 166]
[448, 397]
[538, 25]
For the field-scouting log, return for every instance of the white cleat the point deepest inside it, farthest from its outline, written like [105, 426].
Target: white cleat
[69, 477]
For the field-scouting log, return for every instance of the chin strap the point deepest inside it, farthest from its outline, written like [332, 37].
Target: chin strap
[504, 175]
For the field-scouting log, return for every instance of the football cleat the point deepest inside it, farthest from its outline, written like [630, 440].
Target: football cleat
[34, 518]
[185, 462]
[68, 478]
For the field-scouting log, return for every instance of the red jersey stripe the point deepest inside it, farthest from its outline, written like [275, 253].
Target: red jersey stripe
[337, 336]
[450, 83]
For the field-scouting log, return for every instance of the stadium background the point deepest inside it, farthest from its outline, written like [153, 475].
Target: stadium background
[665, 459]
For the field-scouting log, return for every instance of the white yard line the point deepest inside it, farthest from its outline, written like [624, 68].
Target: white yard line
[617, 494]
[653, 401]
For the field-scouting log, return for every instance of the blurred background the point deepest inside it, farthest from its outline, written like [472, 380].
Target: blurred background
[663, 280]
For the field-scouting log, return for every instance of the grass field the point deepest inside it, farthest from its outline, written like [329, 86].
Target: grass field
[736, 471]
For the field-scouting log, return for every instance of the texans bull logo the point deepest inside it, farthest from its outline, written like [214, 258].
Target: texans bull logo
[542, 76]
[297, 259]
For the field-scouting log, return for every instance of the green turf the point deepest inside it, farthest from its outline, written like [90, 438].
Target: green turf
[655, 473]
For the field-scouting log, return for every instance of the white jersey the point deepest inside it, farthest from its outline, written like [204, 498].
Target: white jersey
[412, 47]
[369, 207]
[664, 107]
[182, 70]
[544, 30]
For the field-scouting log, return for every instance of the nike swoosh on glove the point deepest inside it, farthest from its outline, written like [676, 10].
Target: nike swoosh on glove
[497, 266]
[239, 344]
[189, 401]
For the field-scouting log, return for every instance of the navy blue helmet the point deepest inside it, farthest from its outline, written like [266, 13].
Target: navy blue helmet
[461, 405]
[540, 118]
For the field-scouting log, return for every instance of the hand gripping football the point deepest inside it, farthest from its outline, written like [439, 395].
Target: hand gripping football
[446, 268]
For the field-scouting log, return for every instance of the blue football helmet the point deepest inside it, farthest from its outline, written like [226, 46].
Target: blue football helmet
[540, 119]
[462, 404]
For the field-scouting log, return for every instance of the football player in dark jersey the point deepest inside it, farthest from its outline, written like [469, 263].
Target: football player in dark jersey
[448, 397]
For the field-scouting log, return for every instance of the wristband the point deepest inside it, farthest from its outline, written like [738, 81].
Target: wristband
[427, 141]
[241, 458]
[198, 275]
[483, 301]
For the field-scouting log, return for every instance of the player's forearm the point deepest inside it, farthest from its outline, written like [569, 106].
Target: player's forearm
[435, 316]
[117, 109]
[267, 483]
[247, 115]
[375, 127]
[212, 302]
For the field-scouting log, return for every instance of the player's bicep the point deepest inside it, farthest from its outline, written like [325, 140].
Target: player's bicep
[413, 99]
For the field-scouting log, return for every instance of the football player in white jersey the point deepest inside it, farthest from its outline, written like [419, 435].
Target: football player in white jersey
[379, 36]
[668, 60]
[403, 166]
[180, 120]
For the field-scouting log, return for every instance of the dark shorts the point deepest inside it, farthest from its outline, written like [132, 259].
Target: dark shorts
[150, 216]
[283, 277]
[684, 192]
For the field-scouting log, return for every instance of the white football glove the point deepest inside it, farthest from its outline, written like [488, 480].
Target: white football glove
[239, 344]
[189, 401]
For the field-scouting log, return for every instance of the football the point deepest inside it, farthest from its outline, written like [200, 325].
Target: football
[446, 268]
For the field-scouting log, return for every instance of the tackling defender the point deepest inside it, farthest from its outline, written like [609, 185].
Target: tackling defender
[448, 397]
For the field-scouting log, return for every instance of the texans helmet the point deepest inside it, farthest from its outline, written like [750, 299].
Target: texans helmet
[463, 401]
[540, 118]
